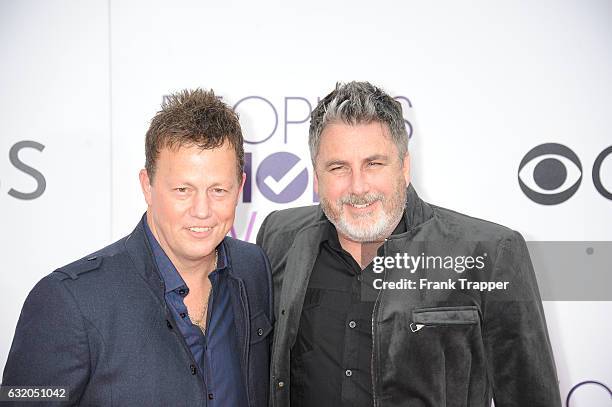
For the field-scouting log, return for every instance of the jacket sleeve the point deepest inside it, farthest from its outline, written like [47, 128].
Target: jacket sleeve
[519, 354]
[50, 346]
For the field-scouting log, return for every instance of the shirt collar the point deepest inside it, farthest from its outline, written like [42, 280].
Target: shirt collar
[172, 279]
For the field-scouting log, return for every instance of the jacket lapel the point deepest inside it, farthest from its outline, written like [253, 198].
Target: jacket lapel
[300, 261]
[141, 255]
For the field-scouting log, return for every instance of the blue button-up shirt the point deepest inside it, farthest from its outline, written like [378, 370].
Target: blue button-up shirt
[217, 352]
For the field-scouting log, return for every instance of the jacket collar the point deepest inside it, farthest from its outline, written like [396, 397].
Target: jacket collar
[417, 211]
[141, 254]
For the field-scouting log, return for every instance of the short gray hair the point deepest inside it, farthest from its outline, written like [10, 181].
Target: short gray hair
[358, 103]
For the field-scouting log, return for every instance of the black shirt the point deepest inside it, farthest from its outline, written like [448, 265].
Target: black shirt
[331, 357]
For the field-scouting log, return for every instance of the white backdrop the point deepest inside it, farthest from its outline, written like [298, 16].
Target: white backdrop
[482, 83]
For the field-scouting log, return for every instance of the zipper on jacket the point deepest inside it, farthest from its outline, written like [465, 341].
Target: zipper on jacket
[417, 326]
[374, 315]
[211, 301]
[414, 327]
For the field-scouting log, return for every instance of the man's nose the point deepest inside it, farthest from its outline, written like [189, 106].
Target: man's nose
[200, 207]
[359, 183]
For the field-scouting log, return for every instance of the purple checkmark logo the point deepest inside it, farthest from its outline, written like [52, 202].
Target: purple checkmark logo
[282, 177]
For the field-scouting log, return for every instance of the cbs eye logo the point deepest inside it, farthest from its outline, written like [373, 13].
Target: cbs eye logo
[601, 397]
[551, 173]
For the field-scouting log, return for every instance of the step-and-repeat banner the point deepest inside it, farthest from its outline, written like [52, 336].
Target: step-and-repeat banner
[507, 103]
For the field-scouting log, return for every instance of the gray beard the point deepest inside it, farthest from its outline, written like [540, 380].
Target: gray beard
[380, 230]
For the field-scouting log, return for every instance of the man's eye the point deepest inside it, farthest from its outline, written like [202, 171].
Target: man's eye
[182, 190]
[337, 168]
[374, 164]
[219, 190]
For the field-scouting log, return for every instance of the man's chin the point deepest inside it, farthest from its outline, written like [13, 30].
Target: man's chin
[201, 252]
[362, 233]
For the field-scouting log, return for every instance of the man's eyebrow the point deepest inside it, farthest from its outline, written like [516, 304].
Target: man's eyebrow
[335, 162]
[374, 157]
[176, 183]
[223, 184]
[377, 157]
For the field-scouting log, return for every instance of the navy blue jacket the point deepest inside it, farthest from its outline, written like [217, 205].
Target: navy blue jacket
[100, 326]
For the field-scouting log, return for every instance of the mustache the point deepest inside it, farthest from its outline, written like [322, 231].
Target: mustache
[366, 199]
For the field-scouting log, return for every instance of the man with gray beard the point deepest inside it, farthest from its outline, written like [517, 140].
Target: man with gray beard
[340, 341]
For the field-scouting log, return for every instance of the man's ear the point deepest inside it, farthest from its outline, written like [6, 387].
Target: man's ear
[145, 185]
[243, 181]
[406, 168]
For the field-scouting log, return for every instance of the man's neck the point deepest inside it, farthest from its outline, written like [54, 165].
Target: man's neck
[200, 268]
[196, 274]
[363, 253]
[197, 270]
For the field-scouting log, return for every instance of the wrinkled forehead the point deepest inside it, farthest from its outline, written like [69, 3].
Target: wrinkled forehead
[342, 141]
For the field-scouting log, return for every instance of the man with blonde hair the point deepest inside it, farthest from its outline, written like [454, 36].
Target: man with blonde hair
[176, 313]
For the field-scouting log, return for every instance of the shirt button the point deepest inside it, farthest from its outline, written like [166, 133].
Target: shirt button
[260, 332]
[352, 324]
[182, 292]
[348, 372]
[210, 396]
[281, 384]
[183, 315]
[193, 369]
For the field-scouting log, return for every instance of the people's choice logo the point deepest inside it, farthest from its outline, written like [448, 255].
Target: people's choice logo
[282, 177]
[272, 127]
[551, 173]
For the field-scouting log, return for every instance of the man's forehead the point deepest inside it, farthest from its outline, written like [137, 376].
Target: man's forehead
[191, 159]
[355, 141]
[358, 128]
[170, 147]
[348, 158]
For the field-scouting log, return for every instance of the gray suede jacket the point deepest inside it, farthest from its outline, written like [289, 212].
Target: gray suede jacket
[462, 346]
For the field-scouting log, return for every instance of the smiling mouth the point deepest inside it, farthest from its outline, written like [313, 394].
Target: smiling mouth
[200, 229]
[361, 206]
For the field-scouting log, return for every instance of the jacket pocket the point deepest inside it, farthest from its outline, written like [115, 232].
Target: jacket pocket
[260, 327]
[312, 299]
[444, 316]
